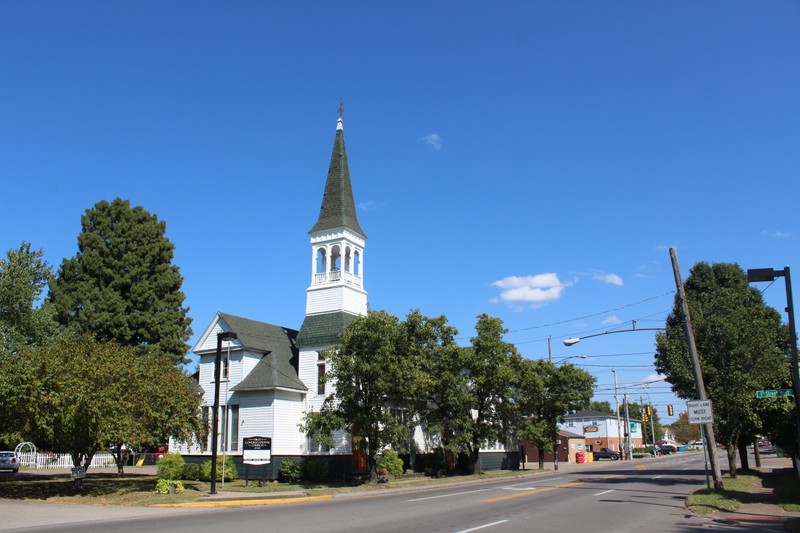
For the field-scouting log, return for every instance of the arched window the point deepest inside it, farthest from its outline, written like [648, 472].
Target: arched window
[357, 264]
[320, 266]
[336, 258]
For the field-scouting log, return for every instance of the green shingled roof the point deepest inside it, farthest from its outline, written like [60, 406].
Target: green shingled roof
[278, 367]
[338, 207]
[323, 330]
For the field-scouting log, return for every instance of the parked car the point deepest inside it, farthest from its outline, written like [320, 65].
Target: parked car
[9, 461]
[667, 449]
[605, 453]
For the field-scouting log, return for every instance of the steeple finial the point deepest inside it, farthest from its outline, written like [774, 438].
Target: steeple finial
[341, 107]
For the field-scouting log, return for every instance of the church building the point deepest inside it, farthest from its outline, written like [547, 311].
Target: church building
[271, 376]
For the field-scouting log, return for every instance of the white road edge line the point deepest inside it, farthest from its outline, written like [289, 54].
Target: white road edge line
[446, 495]
[604, 492]
[483, 526]
[656, 477]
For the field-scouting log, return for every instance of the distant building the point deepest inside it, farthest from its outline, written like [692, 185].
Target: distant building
[601, 430]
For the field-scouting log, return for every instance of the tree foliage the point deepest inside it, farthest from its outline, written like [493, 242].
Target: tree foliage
[490, 366]
[372, 376]
[442, 381]
[24, 275]
[741, 344]
[77, 395]
[684, 431]
[545, 392]
[122, 285]
[602, 407]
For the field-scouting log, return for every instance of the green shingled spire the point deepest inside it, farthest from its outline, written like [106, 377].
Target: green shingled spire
[338, 207]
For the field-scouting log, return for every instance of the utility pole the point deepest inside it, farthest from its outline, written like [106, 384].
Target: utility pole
[708, 429]
[628, 450]
[616, 405]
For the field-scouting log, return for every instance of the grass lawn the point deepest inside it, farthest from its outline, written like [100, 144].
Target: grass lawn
[134, 489]
[707, 501]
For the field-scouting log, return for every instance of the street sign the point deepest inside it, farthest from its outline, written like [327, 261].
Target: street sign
[700, 412]
[633, 427]
[774, 393]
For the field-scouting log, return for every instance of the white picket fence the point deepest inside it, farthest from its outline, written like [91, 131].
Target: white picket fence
[62, 460]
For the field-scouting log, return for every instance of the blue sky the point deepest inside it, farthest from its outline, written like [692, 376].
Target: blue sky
[529, 160]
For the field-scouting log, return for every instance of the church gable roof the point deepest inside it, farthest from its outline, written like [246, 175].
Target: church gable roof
[323, 329]
[338, 207]
[278, 367]
[270, 372]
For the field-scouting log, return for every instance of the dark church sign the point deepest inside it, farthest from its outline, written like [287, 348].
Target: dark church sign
[257, 450]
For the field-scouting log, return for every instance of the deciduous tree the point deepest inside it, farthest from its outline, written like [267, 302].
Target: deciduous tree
[73, 398]
[24, 275]
[545, 392]
[741, 344]
[489, 365]
[372, 377]
[122, 285]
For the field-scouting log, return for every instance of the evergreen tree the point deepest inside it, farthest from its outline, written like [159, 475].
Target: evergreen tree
[122, 285]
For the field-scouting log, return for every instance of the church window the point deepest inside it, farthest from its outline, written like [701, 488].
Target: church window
[320, 267]
[321, 375]
[357, 264]
[336, 258]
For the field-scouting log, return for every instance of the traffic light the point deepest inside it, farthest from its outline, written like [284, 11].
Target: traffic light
[649, 412]
[669, 410]
[644, 417]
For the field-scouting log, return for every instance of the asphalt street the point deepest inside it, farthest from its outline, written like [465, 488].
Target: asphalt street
[620, 496]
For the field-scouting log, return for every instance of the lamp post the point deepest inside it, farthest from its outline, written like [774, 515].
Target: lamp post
[769, 274]
[576, 340]
[570, 357]
[221, 336]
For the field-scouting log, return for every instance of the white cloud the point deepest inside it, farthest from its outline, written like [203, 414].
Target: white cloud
[654, 378]
[777, 233]
[613, 320]
[434, 140]
[532, 291]
[369, 205]
[609, 279]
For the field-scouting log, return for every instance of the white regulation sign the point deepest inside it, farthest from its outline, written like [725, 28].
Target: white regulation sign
[700, 412]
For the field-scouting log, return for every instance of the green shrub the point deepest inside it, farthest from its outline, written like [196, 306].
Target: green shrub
[291, 471]
[170, 466]
[317, 470]
[191, 472]
[391, 462]
[229, 467]
[162, 486]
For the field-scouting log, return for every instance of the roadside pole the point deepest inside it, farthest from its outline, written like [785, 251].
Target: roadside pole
[708, 429]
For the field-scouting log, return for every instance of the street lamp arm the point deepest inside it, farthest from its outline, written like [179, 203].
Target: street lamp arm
[576, 340]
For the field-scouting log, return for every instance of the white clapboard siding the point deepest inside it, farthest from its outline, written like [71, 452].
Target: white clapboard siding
[288, 439]
[256, 414]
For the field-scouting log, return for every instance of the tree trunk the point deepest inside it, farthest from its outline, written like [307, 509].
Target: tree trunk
[475, 459]
[743, 456]
[731, 449]
[541, 457]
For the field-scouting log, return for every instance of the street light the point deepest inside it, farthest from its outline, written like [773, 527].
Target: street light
[769, 274]
[221, 336]
[570, 357]
[576, 340]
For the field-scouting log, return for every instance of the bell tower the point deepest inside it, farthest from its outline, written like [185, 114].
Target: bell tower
[336, 293]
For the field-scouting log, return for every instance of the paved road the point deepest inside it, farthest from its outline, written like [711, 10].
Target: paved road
[615, 496]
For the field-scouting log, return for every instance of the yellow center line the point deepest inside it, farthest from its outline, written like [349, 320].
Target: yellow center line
[545, 489]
